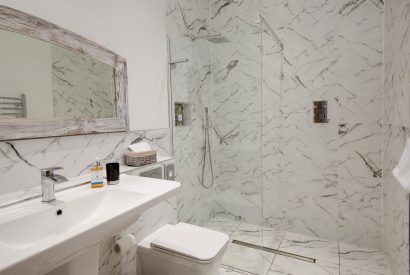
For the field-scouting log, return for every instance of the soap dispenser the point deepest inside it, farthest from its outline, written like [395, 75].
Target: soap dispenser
[97, 174]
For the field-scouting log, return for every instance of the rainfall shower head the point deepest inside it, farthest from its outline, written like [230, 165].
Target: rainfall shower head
[218, 40]
[213, 38]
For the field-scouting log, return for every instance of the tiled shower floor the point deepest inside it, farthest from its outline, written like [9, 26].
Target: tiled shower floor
[332, 257]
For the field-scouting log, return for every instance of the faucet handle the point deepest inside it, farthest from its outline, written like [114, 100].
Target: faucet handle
[49, 171]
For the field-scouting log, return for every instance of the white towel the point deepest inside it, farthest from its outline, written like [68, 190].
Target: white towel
[140, 147]
[402, 170]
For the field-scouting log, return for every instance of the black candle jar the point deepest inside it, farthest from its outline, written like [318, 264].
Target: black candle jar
[113, 173]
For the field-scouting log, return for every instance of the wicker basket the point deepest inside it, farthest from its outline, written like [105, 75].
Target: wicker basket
[139, 159]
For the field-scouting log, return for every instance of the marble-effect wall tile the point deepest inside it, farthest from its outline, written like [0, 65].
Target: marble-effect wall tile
[82, 87]
[190, 84]
[395, 202]
[332, 51]
[360, 185]
[236, 71]
[396, 123]
[21, 161]
[186, 17]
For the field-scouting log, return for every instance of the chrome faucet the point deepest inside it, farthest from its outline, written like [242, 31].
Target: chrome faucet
[48, 181]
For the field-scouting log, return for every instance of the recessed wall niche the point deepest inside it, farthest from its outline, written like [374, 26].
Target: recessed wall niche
[182, 114]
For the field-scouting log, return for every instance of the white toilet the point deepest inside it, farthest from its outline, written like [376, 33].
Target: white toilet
[182, 249]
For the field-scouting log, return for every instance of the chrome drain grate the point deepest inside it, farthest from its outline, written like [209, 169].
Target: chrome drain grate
[275, 251]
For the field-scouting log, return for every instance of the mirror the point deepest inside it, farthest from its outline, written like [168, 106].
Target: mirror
[41, 80]
[54, 82]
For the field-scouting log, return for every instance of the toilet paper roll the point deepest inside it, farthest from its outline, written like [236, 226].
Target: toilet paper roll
[125, 244]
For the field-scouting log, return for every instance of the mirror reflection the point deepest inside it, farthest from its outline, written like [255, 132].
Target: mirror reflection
[39, 80]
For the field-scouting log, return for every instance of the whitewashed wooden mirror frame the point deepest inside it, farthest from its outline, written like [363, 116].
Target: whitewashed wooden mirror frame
[15, 128]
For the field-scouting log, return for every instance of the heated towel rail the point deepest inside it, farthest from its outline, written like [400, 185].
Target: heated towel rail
[13, 107]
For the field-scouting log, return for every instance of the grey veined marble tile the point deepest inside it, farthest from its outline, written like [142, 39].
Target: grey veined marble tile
[247, 259]
[229, 271]
[346, 270]
[367, 259]
[319, 249]
[258, 235]
[289, 266]
[223, 225]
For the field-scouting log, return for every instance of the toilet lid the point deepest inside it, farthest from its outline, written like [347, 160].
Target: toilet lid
[197, 243]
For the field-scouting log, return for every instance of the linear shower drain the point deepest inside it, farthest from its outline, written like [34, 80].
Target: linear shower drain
[275, 251]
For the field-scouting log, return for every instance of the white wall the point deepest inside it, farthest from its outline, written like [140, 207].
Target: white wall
[135, 29]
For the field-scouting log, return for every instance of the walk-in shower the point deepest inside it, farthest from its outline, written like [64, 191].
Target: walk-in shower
[218, 153]
[255, 165]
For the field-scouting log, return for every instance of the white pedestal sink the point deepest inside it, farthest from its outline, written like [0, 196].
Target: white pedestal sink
[37, 237]
[86, 263]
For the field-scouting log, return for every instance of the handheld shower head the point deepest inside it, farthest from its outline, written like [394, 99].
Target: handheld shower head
[206, 126]
[206, 150]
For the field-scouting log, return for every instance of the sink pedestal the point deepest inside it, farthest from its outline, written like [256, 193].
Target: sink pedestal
[84, 264]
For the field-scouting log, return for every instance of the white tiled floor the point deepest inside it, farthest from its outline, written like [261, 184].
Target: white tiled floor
[332, 257]
[367, 259]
